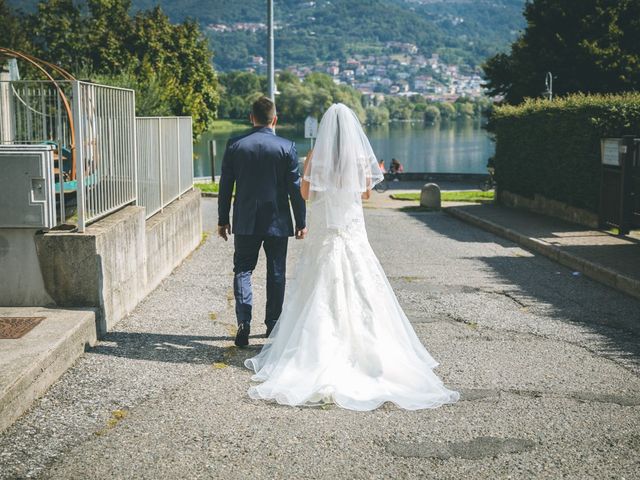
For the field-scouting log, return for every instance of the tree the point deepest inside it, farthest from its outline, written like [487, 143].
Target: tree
[13, 28]
[447, 111]
[464, 109]
[180, 55]
[377, 115]
[589, 46]
[169, 65]
[108, 35]
[151, 90]
[58, 34]
[432, 114]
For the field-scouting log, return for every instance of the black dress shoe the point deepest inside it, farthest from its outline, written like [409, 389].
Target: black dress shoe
[242, 337]
[270, 329]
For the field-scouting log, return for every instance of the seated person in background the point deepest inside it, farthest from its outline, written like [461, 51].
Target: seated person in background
[381, 165]
[395, 169]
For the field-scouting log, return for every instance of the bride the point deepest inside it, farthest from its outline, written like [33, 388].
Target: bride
[342, 336]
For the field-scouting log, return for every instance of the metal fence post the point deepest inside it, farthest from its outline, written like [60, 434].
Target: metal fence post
[134, 128]
[178, 163]
[79, 154]
[160, 162]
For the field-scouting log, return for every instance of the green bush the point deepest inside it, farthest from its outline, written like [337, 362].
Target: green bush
[552, 148]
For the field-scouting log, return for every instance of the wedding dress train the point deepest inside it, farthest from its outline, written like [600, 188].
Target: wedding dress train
[342, 337]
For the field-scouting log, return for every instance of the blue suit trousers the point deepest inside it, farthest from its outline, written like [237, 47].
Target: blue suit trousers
[245, 258]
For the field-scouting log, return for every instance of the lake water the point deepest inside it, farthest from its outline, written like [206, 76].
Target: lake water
[457, 147]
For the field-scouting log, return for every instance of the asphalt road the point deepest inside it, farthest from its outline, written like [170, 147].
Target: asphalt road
[548, 364]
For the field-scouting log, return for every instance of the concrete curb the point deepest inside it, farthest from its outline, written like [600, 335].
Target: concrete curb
[597, 272]
[208, 194]
[31, 364]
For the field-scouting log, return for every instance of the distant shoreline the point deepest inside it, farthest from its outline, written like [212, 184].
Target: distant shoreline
[231, 125]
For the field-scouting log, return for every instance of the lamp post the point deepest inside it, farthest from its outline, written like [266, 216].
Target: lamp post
[549, 83]
[270, 53]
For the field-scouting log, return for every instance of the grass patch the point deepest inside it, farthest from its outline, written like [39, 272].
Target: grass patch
[221, 126]
[462, 196]
[116, 417]
[230, 126]
[207, 187]
[203, 239]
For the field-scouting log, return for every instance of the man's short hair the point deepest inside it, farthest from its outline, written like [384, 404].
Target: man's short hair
[263, 111]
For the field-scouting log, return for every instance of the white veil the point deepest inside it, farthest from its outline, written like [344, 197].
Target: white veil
[343, 165]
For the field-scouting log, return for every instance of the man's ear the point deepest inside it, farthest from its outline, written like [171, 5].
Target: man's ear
[275, 120]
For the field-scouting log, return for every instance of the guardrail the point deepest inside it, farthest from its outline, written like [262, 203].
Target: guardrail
[165, 160]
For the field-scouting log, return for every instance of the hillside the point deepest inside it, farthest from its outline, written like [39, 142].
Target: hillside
[461, 31]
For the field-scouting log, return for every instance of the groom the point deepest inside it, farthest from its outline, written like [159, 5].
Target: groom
[264, 169]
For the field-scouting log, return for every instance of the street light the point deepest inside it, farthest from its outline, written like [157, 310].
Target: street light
[270, 54]
[549, 83]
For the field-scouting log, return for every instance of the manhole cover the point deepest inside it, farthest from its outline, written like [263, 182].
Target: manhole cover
[16, 327]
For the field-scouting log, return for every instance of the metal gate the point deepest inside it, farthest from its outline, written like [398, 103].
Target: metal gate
[620, 184]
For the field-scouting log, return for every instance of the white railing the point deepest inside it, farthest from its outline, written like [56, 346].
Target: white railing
[165, 160]
[34, 112]
[105, 149]
[105, 157]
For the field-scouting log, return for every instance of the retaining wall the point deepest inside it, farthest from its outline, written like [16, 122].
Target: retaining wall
[118, 260]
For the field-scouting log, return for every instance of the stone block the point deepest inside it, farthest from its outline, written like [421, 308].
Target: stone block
[430, 196]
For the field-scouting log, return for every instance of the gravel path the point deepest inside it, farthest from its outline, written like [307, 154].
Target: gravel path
[548, 364]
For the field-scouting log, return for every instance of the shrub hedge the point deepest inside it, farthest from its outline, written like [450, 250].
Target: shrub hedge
[552, 148]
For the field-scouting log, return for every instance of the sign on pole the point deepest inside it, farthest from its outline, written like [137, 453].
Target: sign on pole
[311, 128]
[611, 148]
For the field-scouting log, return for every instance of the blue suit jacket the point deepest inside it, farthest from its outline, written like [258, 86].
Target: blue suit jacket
[264, 169]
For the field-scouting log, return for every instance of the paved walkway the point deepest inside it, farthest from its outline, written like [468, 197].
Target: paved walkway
[548, 364]
[607, 258]
[617, 253]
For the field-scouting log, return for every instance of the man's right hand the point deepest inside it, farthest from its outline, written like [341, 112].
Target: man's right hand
[301, 233]
[224, 231]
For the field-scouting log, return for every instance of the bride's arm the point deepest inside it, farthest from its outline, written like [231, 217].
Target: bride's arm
[367, 194]
[304, 188]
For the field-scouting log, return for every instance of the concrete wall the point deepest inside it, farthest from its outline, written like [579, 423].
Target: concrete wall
[170, 236]
[21, 281]
[118, 260]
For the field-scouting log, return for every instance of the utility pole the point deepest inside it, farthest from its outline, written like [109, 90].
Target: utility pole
[270, 54]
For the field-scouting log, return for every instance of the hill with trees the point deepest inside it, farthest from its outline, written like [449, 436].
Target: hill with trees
[461, 31]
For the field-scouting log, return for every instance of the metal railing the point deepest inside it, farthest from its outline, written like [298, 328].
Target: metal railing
[33, 113]
[165, 160]
[106, 149]
[105, 157]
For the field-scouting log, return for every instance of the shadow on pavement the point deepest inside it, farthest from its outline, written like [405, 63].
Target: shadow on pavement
[563, 294]
[455, 229]
[618, 253]
[171, 348]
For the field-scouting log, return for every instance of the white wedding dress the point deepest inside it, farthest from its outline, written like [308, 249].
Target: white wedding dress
[342, 337]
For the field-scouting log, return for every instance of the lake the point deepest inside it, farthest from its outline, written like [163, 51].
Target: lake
[456, 147]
